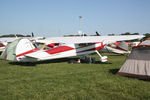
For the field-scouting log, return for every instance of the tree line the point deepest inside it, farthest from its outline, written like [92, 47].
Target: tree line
[147, 35]
[15, 35]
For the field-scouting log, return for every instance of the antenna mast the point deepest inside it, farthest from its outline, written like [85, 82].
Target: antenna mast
[80, 30]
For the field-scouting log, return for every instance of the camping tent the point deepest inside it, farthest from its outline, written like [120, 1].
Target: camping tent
[17, 47]
[9, 52]
[138, 62]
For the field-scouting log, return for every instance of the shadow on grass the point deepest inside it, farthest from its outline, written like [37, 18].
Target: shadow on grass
[117, 55]
[98, 62]
[32, 64]
[113, 71]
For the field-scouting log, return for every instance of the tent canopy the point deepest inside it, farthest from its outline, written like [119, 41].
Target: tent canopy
[138, 62]
[9, 52]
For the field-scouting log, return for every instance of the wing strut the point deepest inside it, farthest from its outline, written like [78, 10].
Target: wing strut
[102, 58]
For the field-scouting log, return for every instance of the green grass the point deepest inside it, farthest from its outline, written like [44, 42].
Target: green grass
[62, 81]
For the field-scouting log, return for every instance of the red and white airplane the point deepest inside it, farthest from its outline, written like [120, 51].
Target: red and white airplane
[23, 50]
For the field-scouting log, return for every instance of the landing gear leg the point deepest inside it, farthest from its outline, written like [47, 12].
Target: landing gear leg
[102, 58]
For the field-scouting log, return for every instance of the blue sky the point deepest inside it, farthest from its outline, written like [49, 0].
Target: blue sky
[60, 17]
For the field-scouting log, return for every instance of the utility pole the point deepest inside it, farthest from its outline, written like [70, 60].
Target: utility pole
[80, 29]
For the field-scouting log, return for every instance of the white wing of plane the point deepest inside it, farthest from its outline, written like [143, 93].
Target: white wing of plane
[90, 39]
[8, 39]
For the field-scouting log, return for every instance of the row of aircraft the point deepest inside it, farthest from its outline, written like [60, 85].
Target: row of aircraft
[26, 50]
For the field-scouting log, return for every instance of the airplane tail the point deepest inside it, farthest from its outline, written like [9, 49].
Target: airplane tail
[121, 48]
[16, 50]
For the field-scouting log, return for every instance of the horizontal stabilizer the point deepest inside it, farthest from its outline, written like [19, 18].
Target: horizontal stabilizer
[115, 50]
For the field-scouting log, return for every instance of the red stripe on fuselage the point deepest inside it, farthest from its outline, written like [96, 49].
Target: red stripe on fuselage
[27, 52]
[59, 49]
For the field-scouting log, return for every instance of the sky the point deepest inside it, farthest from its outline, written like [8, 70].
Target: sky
[61, 17]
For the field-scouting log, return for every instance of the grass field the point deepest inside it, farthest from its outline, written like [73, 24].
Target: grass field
[58, 80]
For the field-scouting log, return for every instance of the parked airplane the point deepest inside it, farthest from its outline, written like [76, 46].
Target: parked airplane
[24, 50]
[117, 48]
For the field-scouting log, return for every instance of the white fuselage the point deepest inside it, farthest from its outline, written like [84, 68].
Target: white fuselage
[59, 52]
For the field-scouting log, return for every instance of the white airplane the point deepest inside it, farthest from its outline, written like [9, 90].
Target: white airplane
[23, 50]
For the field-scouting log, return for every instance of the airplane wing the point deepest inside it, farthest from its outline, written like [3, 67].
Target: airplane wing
[8, 39]
[93, 39]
